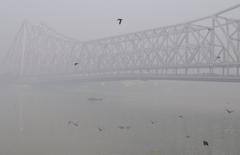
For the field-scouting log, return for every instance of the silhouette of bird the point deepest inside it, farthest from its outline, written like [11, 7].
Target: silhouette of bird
[229, 111]
[76, 124]
[100, 129]
[73, 123]
[218, 57]
[187, 136]
[119, 21]
[121, 127]
[76, 63]
[180, 116]
[205, 143]
[154, 122]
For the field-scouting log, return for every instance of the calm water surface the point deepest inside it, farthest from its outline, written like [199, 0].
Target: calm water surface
[120, 118]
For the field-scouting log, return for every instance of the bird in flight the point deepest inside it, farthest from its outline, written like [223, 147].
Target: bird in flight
[229, 111]
[121, 127]
[180, 116]
[154, 122]
[205, 143]
[76, 63]
[100, 129]
[124, 127]
[119, 21]
[73, 123]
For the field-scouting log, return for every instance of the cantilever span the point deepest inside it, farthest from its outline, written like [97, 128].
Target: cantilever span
[202, 49]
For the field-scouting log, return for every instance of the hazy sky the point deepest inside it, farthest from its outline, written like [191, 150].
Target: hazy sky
[91, 19]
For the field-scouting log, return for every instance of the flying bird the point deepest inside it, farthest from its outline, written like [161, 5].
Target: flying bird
[119, 21]
[100, 129]
[154, 122]
[73, 123]
[205, 143]
[218, 57]
[76, 63]
[180, 116]
[229, 111]
[121, 127]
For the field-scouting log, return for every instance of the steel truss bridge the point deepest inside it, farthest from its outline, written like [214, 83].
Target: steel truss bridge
[202, 49]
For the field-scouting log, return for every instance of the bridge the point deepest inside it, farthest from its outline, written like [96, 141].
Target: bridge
[206, 49]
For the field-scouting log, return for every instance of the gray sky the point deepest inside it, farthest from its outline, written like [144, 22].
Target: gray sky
[91, 19]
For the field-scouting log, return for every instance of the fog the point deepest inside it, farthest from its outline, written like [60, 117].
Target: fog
[158, 117]
[164, 117]
[91, 19]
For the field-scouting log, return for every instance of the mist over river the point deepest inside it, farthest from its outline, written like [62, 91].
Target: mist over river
[120, 118]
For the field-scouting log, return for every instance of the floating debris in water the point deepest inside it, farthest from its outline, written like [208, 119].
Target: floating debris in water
[94, 99]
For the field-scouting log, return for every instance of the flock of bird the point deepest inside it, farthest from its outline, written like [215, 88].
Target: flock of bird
[122, 127]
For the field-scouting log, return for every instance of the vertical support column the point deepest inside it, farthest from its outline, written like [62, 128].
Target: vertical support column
[186, 50]
[238, 46]
[238, 42]
[22, 59]
[212, 42]
[167, 57]
[175, 45]
[228, 43]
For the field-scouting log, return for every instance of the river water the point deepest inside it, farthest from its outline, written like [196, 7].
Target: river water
[120, 118]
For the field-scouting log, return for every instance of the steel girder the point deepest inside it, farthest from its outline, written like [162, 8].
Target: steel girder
[209, 47]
